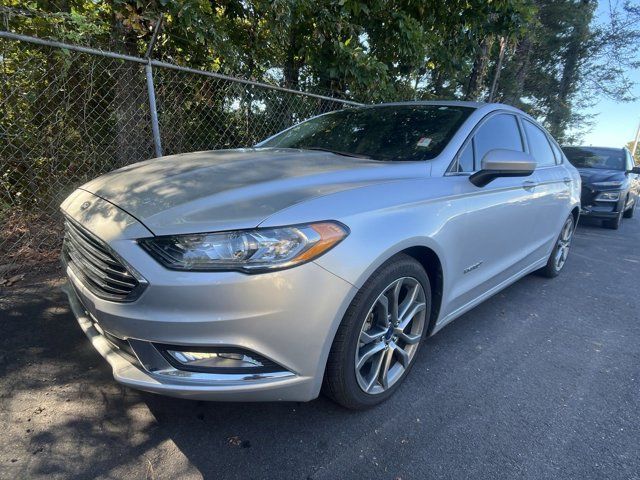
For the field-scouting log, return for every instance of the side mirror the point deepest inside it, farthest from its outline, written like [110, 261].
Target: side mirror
[636, 170]
[503, 163]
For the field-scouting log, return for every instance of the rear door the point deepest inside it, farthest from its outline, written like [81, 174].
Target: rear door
[490, 227]
[553, 192]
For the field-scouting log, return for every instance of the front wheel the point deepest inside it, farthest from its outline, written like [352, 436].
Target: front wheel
[614, 224]
[629, 213]
[560, 251]
[380, 335]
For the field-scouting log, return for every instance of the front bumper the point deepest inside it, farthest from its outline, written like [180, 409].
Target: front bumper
[590, 211]
[592, 207]
[289, 317]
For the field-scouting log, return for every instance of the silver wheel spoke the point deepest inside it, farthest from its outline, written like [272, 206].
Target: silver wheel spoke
[384, 302]
[369, 336]
[386, 364]
[403, 356]
[409, 339]
[395, 300]
[369, 352]
[375, 371]
[417, 308]
[406, 304]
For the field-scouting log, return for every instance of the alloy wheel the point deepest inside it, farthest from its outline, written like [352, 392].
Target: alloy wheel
[563, 245]
[390, 335]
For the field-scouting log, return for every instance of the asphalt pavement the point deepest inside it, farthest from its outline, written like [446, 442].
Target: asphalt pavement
[540, 381]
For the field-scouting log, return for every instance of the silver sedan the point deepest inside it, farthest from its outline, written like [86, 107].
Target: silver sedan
[320, 259]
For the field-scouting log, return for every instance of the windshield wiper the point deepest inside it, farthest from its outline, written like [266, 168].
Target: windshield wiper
[338, 152]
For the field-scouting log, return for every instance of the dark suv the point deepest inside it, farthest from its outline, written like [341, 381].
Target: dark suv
[610, 182]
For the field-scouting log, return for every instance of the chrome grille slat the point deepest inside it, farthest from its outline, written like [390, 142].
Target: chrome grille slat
[100, 270]
[83, 240]
[96, 275]
[96, 262]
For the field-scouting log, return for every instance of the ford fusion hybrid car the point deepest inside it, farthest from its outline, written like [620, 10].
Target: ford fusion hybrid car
[319, 260]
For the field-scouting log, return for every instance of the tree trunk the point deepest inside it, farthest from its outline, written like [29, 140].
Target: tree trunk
[523, 57]
[438, 83]
[496, 74]
[560, 111]
[133, 137]
[479, 72]
[291, 70]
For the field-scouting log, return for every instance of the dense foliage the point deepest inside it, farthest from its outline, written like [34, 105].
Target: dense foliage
[550, 57]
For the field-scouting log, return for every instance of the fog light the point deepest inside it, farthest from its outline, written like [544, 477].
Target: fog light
[218, 360]
[214, 359]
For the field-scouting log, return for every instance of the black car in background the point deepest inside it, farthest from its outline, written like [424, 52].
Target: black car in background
[610, 182]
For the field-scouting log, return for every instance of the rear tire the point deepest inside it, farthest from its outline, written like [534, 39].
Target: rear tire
[560, 251]
[373, 323]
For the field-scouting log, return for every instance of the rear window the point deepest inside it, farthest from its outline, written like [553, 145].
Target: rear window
[594, 157]
[399, 133]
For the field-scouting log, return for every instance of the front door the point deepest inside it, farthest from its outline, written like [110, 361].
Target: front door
[491, 226]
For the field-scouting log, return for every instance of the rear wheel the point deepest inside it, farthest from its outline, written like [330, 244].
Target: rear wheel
[380, 335]
[560, 251]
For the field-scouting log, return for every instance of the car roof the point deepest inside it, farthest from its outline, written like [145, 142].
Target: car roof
[479, 106]
[594, 146]
[447, 103]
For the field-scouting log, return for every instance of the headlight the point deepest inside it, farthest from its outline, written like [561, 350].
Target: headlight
[617, 184]
[608, 196]
[261, 249]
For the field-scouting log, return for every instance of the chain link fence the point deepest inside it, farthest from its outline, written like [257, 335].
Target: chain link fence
[70, 113]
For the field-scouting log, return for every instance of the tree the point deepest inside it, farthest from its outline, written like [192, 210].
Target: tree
[637, 153]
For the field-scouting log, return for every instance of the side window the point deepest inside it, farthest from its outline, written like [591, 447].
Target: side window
[539, 145]
[630, 161]
[465, 160]
[556, 152]
[500, 131]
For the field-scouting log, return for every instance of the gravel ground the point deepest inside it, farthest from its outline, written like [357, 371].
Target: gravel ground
[541, 381]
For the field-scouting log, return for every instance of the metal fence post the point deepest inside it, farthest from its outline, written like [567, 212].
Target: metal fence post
[155, 126]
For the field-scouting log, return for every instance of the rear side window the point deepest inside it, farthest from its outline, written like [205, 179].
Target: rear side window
[500, 131]
[556, 152]
[539, 145]
[630, 162]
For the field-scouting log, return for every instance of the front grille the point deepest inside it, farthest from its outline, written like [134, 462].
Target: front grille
[97, 267]
[587, 196]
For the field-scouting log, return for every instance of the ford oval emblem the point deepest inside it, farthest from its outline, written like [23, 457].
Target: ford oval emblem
[85, 205]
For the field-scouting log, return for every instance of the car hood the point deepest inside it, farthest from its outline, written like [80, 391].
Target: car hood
[591, 175]
[231, 189]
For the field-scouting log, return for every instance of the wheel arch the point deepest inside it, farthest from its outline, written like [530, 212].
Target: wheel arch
[430, 261]
[576, 215]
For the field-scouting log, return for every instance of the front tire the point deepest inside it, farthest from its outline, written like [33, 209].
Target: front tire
[380, 335]
[560, 251]
[614, 224]
[629, 213]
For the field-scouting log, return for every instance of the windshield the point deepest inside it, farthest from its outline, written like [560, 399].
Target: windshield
[593, 157]
[400, 133]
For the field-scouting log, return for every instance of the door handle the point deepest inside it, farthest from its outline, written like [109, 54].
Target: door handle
[529, 185]
[567, 181]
